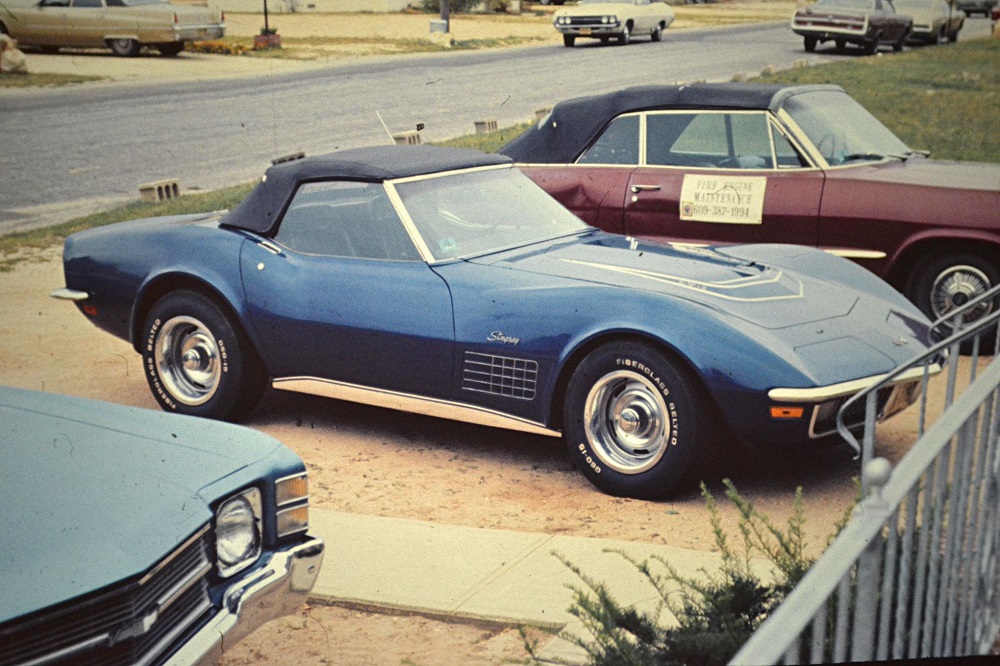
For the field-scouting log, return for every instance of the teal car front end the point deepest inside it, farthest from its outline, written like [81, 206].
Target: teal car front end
[138, 537]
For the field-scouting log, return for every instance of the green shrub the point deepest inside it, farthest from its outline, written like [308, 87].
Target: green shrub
[716, 613]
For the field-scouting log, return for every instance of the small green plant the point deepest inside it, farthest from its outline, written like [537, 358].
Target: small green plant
[716, 613]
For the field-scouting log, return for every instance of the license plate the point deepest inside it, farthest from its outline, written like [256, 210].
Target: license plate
[584, 31]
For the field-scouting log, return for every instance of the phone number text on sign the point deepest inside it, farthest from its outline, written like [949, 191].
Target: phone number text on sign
[723, 199]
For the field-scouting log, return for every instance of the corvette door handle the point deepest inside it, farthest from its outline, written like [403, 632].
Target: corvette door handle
[270, 247]
[645, 188]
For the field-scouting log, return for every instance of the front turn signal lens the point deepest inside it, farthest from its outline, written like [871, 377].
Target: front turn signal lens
[787, 412]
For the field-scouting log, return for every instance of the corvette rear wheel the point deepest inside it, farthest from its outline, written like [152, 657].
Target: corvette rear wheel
[633, 421]
[197, 362]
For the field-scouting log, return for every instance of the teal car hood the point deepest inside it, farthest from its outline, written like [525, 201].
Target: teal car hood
[760, 291]
[94, 493]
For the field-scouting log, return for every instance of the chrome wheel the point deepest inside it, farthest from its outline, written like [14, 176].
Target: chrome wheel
[626, 422]
[188, 360]
[956, 286]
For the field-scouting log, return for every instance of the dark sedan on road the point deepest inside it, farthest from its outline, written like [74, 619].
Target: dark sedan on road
[445, 282]
[867, 23]
[806, 164]
[132, 536]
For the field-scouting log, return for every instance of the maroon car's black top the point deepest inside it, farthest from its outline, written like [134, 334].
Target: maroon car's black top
[573, 124]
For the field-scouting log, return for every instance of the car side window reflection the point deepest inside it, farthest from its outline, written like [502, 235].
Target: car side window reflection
[345, 219]
[618, 144]
[788, 157]
[709, 140]
[90, 4]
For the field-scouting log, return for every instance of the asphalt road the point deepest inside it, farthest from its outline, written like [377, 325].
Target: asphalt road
[70, 149]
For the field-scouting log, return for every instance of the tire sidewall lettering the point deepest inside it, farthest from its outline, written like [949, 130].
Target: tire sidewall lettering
[651, 375]
[151, 338]
[588, 459]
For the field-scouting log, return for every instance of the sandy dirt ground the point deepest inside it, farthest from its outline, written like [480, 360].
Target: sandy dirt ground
[374, 461]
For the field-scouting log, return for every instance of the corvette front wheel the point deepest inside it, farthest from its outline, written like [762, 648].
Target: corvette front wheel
[197, 362]
[633, 421]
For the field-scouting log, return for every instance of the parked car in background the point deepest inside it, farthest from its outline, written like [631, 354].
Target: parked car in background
[812, 165]
[134, 537]
[995, 14]
[971, 7]
[622, 20]
[124, 26]
[934, 21]
[867, 23]
[444, 282]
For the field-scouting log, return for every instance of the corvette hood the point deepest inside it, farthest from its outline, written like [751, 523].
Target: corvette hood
[754, 290]
[95, 493]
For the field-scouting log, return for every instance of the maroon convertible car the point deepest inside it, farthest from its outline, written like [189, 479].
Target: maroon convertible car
[748, 163]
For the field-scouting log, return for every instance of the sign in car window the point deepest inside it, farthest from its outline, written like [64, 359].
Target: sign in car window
[723, 199]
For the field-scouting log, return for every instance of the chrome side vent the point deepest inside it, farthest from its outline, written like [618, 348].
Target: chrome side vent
[500, 375]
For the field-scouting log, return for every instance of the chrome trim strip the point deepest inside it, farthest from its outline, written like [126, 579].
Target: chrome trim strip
[182, 586]
[172, 556]
[811, 151]
[67, 651]
[406, 402]
[65, 294]
[408, 223]
[824, 393]
[849, 253]
[184, 625]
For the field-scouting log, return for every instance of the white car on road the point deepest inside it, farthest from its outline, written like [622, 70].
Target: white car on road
[619, 20]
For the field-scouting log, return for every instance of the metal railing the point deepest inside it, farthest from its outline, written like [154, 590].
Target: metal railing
[916, 571]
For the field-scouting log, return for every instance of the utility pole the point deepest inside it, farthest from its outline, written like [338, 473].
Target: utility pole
[446, 15]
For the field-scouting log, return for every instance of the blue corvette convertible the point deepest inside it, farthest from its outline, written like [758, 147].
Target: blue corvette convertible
[444, 282]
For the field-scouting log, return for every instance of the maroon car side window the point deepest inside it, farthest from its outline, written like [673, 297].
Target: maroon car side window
[618, 144]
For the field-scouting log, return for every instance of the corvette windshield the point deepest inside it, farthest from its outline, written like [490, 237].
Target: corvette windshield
[843, 130]
[478, 212]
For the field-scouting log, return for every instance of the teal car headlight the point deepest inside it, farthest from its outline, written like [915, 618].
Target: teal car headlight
[238, 532]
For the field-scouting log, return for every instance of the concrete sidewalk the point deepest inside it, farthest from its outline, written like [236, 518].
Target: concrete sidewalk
[498, 575]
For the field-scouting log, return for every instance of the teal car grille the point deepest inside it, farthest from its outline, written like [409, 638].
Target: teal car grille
[136, 622]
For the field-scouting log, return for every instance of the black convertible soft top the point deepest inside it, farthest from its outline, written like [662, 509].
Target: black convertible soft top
[259, 211]
[560, 137]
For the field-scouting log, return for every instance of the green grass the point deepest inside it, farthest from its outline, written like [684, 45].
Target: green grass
[944, 99]
[30, 80]
[26, 245]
